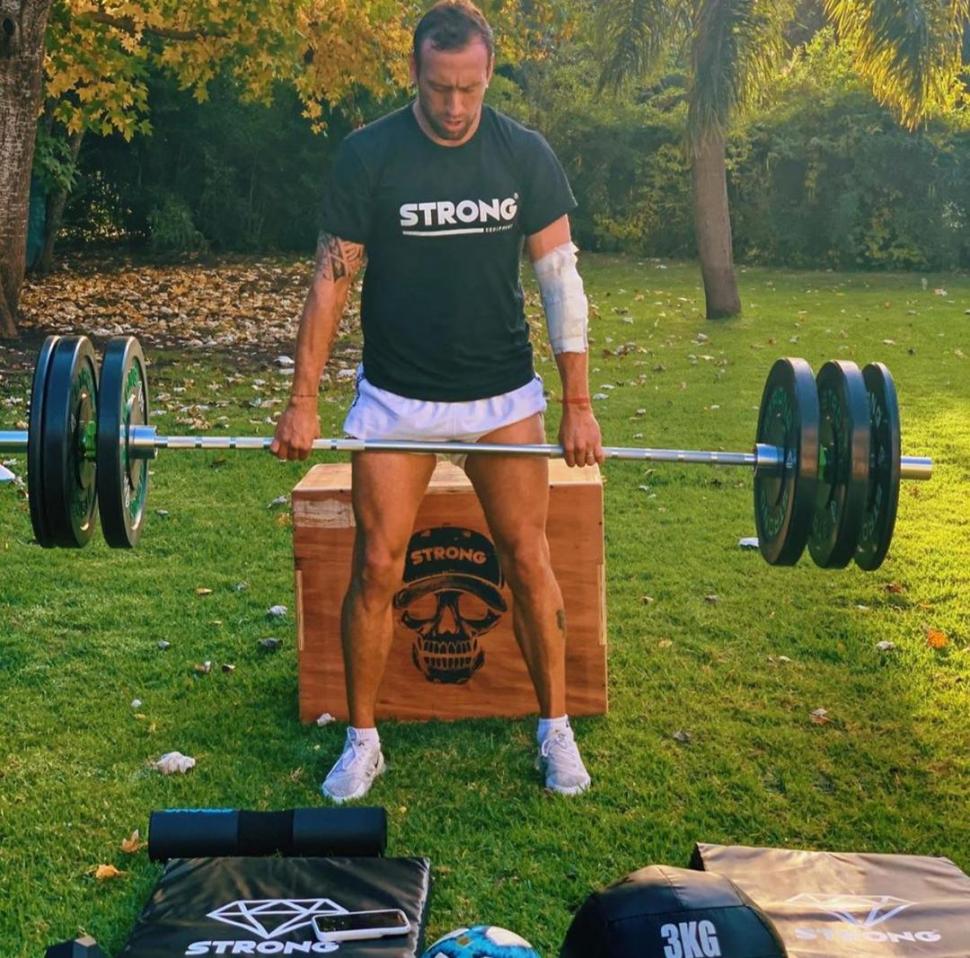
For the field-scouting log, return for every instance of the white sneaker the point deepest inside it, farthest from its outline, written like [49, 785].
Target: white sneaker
[560, 762]
[354, 773]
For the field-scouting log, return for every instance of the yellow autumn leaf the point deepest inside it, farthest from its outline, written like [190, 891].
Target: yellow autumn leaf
[106, 872]
[936, 639]
[133, 843]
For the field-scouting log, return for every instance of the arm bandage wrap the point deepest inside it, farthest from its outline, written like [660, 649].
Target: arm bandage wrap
[563, 298]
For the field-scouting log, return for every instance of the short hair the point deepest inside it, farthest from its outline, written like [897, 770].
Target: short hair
[452, 25]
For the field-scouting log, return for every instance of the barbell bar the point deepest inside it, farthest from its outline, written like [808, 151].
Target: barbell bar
[826, 460]
[145, 443]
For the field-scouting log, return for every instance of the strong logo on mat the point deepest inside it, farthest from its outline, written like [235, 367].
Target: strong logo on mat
[863, 914]
[275, 917]
[863, 911]
[269, 919]
[450, 599]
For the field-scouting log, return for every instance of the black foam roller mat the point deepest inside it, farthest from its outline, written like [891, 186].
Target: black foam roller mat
[298, 832]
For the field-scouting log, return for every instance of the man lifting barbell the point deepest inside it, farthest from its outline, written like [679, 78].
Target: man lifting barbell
[827, 456]
[439, 196]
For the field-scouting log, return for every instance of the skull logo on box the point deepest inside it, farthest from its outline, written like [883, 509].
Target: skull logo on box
[450, 599]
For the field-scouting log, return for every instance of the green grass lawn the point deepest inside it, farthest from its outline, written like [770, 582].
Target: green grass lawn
[890, 772]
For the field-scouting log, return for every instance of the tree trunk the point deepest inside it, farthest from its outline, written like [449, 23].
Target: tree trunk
[23, 24]
[55, 212]
[712, 220]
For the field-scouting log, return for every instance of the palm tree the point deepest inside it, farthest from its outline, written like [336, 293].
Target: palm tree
[909, 51]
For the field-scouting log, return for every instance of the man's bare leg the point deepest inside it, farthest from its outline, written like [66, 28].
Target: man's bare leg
[514, 492]
[387, 490]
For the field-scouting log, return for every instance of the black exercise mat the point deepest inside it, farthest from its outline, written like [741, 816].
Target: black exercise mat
[263, 906]
[845, 905]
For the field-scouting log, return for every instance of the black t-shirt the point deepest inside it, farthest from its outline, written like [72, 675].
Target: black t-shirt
[442, 306]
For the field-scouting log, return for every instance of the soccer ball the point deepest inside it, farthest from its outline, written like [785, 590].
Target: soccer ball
[481, 941]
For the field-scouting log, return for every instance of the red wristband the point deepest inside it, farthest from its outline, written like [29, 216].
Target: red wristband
[575, 400]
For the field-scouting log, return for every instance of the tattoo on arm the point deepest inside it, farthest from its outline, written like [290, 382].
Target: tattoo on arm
[337, 258]
[561, 620]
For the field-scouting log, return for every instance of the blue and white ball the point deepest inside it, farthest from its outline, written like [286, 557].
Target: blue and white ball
[481, 941]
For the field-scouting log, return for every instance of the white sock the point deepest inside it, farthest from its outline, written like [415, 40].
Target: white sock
[366, 736]
[547, 725]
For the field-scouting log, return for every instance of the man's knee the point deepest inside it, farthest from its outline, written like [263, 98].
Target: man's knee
[526, 563]
[378, 572]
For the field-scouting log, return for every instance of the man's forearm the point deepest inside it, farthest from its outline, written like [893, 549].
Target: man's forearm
[322, 310]
[574, 373]
[336, 263]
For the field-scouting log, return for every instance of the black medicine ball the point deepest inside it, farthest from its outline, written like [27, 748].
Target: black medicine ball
[661, 912]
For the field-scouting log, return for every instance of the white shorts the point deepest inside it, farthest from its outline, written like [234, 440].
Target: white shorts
[378, 414]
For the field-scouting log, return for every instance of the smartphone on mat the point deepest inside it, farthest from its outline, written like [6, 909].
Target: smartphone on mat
[355, 925]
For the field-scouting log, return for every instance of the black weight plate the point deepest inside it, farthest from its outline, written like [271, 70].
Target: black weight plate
[884, 465]
[122, 478]
[843, 473]
[35, 444]
[68, 472]
[784, 500]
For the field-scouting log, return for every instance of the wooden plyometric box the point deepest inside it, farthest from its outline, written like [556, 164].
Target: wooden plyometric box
[454, 653]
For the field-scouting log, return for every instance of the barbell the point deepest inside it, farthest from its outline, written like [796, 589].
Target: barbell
[826, 459]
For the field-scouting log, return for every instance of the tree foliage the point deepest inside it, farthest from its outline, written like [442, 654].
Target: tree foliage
[821, 175]
[100, 55]
[909, 53]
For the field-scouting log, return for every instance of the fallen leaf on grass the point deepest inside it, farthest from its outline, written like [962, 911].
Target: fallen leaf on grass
[681, 736]
[894, 587]
[712, 599]
[936, 639]
[820, 717]
[276, 611]
[886, 646]
[201, 590]
[104, 872]
[665, 643]
[133, 843]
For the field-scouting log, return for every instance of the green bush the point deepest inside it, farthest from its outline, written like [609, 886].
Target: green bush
[826, 177]
[821, 176]
[249, 175]
[172, 230]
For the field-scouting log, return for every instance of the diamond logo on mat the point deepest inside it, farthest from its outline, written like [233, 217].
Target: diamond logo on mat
[275, 917]
[862, 911]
